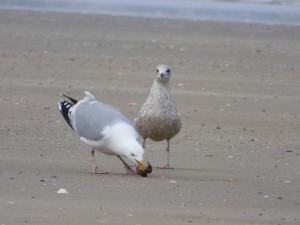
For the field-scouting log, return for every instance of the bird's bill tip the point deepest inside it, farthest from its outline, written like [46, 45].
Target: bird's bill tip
[141, 164]
[144, 170]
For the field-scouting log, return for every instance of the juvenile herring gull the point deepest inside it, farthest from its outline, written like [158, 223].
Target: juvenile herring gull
[104, 129]
[158, 118]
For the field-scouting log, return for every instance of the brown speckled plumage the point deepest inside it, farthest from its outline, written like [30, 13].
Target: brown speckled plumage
[158, 118]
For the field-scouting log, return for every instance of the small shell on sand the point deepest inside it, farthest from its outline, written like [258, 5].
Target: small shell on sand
[62, 191]
[132, 104]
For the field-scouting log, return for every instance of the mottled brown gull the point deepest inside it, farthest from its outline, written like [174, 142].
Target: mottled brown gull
[158, 118]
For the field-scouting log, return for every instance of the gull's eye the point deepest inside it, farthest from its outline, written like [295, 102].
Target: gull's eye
[157, 70]
[168, 71]
[132, 154]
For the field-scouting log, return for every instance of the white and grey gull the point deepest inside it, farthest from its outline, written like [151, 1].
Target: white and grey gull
[105, 129]
[158, 118]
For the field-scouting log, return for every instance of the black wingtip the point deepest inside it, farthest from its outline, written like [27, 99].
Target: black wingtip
[74, 101]
[64, 107]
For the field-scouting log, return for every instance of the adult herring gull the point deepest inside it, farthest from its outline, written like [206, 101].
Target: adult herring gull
[105, 129]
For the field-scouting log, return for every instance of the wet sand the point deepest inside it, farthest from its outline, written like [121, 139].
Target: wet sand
[236, 87]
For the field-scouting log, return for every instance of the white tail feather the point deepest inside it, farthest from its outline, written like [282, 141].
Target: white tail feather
[89, 96]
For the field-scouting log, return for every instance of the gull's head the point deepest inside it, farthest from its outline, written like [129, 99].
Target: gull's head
[163, 73]
[136, 154]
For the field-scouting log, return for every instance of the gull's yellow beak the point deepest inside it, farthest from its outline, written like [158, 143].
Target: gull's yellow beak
[142, 169]
[141, 164]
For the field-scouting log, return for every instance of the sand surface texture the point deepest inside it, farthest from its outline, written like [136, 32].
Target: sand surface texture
[236, 86]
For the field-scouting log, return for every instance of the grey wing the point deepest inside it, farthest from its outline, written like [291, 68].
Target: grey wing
[92, 117]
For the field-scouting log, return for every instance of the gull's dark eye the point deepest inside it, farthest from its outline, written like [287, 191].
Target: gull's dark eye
[168, 71]
[157, 70]
[132, 154]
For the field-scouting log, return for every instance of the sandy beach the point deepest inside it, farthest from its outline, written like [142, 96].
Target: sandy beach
[236, 86]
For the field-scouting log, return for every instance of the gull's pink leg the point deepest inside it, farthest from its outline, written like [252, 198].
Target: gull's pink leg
[96, 169]
[167, 166]
[144, 143]
[128, 169]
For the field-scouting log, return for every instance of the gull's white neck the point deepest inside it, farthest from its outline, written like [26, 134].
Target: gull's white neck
[121, 135]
